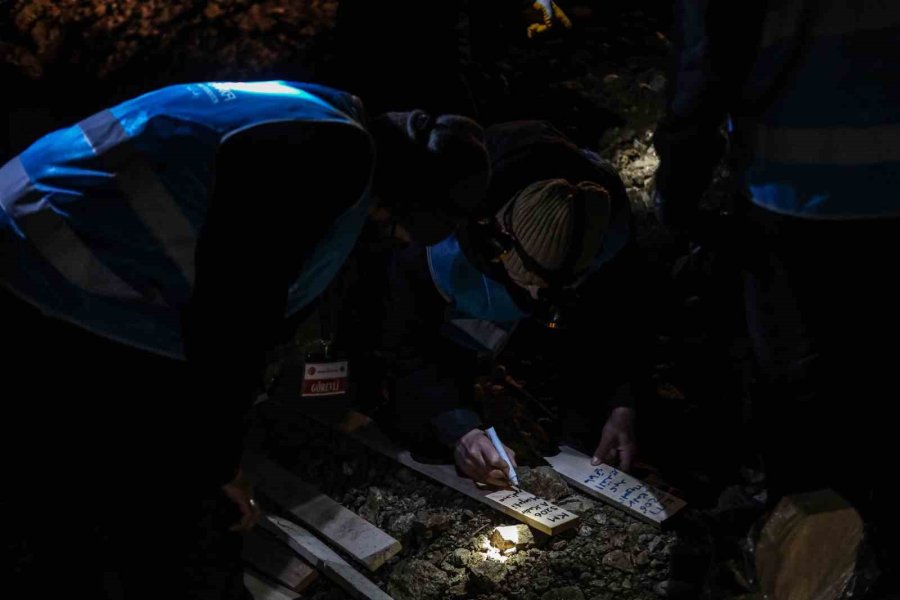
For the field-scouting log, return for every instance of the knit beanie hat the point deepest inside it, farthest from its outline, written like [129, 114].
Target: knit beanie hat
[430, 172]
[558, 226]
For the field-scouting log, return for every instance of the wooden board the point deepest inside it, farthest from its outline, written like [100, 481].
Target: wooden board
[365, 543]
[364, 430]
[614, 487]
[273, 558]
[537, 512]
[262, 589]
[323, 558]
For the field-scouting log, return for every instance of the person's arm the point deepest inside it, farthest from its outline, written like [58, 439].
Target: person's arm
[431, 377]
[277, 189]
[614, 324]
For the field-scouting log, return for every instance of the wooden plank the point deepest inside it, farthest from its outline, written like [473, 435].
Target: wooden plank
[614, 487]
[365, 543]
[364, 430]
[271, 557]
[323, 558]
[536, 512]
[261, 589]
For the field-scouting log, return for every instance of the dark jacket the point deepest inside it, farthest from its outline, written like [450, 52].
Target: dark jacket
[431, 379]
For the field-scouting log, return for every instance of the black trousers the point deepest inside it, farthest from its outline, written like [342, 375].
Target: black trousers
[105, 496]
[823, 311]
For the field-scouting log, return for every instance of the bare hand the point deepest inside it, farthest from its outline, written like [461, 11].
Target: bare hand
[617, 445]
[476, 457]
[240, 492]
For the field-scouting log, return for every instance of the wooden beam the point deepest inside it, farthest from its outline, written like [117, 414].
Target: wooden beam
[262, 589]
[273, 558]
[615, 487]
[365, 543]
[323, 558]
[533, 511]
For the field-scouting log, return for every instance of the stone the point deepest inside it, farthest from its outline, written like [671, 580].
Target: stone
[427, 523]
[564, 593]
[544, 483]
[459, 558]
[577, 505]
[618, 560]
[401, 525]
[418, 580]
[487, 574]
[374, 500]
[511, 536]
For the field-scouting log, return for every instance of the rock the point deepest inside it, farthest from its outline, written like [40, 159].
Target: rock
[577, 505]
[654, 543]
[601, 518]
[541, 583]
[564, 593]
[635, 530]
[560, 545]
[459, 557]
[585, 531]
[467, 514]
[544, 482]
[486, 574]
[512, 536]
[618, 560]
[401, 525]
[418, 580]
[641, 558]
[427, 523]
[374, 500]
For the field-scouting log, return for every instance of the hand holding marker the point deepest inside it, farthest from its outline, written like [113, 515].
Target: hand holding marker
[513, 478]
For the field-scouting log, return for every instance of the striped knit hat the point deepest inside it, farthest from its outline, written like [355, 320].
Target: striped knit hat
[559, 227]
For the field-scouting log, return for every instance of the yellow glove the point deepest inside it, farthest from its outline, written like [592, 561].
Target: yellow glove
[549, 11]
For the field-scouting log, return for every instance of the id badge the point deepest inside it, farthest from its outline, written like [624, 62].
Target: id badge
[325, 378]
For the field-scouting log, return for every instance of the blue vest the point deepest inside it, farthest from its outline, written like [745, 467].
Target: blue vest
[481, 313]
[99, 221]
[826, 144]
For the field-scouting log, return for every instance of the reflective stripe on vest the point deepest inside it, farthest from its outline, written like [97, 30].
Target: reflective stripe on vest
[102, 217]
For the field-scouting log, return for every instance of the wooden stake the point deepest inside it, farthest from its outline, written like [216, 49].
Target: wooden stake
[323, 558]
[365, 543]
[615, 487]
[273, 558]
[261, 589]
